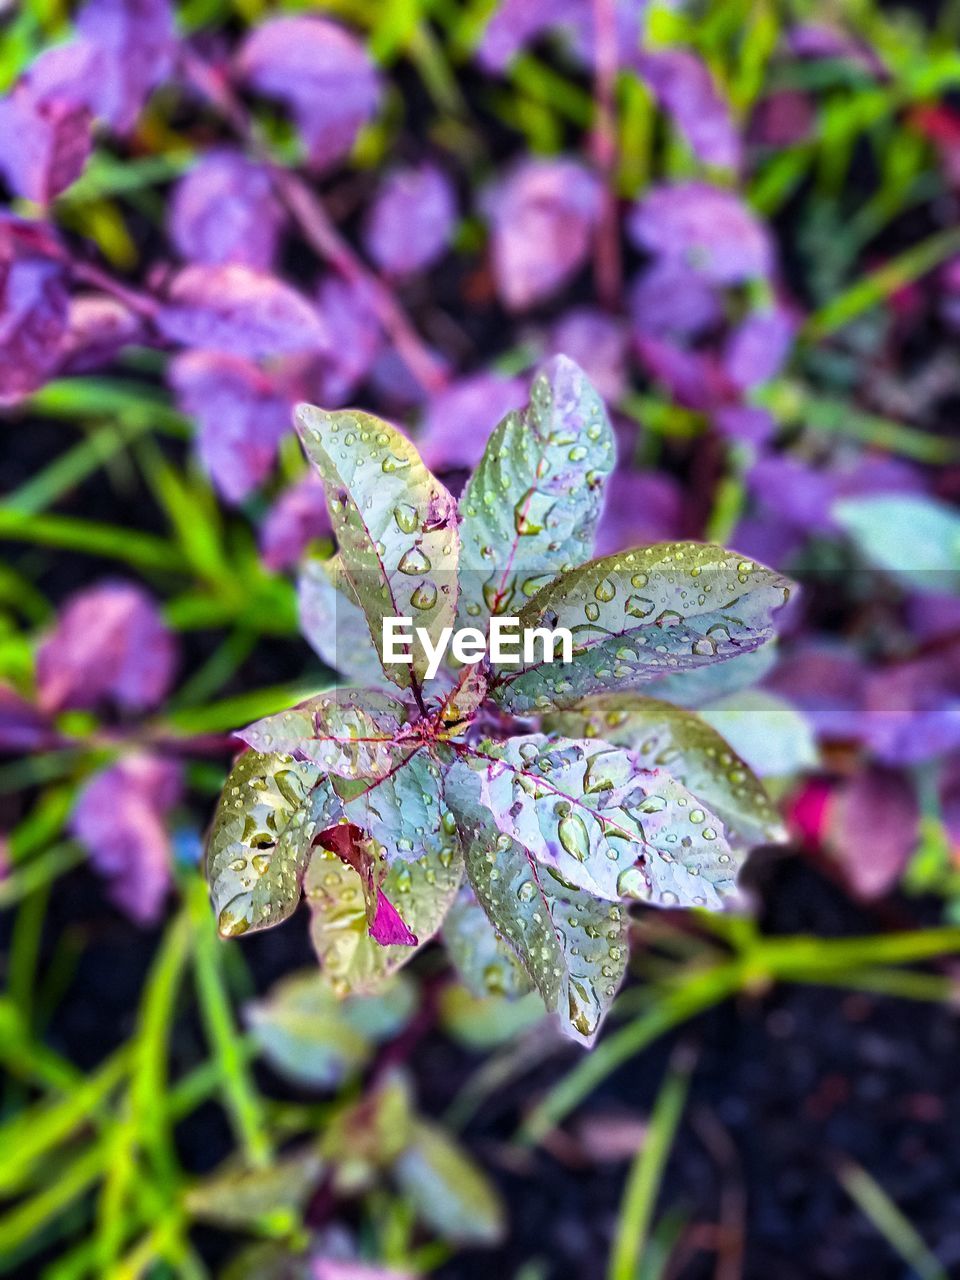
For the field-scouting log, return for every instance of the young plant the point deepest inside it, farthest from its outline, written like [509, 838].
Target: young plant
[519, 806]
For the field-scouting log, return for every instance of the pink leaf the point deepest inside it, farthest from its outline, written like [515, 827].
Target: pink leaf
[411, 220]
[704, 228]
[388, 927]
[33, 307]
[225, 211]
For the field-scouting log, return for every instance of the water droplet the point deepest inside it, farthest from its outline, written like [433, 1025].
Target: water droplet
[639, 607]
[605, 590]
[424, 597]
[392, 463]
[407, 517]
[230, 925]
[592, 611]
[577, 453]
[414, 561]
[527, 891]
[632, 883]
[704, 647]
[531, 512]
[572, 834]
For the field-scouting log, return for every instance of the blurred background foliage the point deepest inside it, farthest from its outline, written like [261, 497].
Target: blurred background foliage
[774, 1094]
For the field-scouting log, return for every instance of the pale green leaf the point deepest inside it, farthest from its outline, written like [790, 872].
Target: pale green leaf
[403, 812]
[350, 960]
[639, 614]
[907, 534]
[449, 1191]
[772, 735]
[572, 945]
[311, 1037]
[700, 687]
[532, 505]
[485, 963]
[270, 809]
[487, 1022]
[272, 1198]
[598, 817]
[689, 749]
[354, 733]
[395, 524]
[334, 625]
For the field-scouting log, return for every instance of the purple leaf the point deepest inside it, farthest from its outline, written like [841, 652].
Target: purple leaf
[44, 142]
[872, 828]
[745, 423]
[800, 494]
[821, 40]
[461, 418]
[224, 211]
[23, 728]
[33, 307]
[704, 228]
[692, 378]
[641, 507]
[323, 74]
[542, 218]
[598, 344]
[782, 119]
[757, 350]
[109, 644]
[828, 684]
[120, 818]
[245, 312]
[411, 220]
[517, 23]
[685, 89]
[669, 299]
[346, 308]
[124, 49]
[912, 709]
[296, 519]
[241, 418]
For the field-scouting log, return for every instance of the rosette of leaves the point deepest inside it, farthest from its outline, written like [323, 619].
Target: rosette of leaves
[523, 807]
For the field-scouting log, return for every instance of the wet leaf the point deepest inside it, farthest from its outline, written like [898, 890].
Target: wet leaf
[572, 945]
[334, 625]
[601, 819]
[355, 733]
[483, 960]
[271, 1198]
[350, 960]
[270, 809]
[450, 1192]
[672, 607]
[395, 524]
[770, 734]
[662, 736]
[487, 1022]
[533, 503]
[403, 812]
[366, 857]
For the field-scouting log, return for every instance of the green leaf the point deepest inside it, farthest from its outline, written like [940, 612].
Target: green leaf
[600, 819]
[911, 536]
[311, 1037]
[572, 945]
[636, 615]
[664, 736]
[395, 524]
[482, 959]
[270, 809]
[532, 505]
[449, 1191]
[271, 1199]
[350, 960]
[354, 733]
[703, 685]
[334, 625]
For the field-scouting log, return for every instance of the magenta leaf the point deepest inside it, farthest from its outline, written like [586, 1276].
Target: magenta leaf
[640, 507]
[411, 220]
[387, 926]
[126, 48]
[240, 413]
[23, 728]
[98, 327]
[872, 826]
[109, 645]
[670, 299]
[323, 74]
[120, 817]
[757, 350]
[542, 215]
[224, 210]
[241, 311]
[704, 228]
